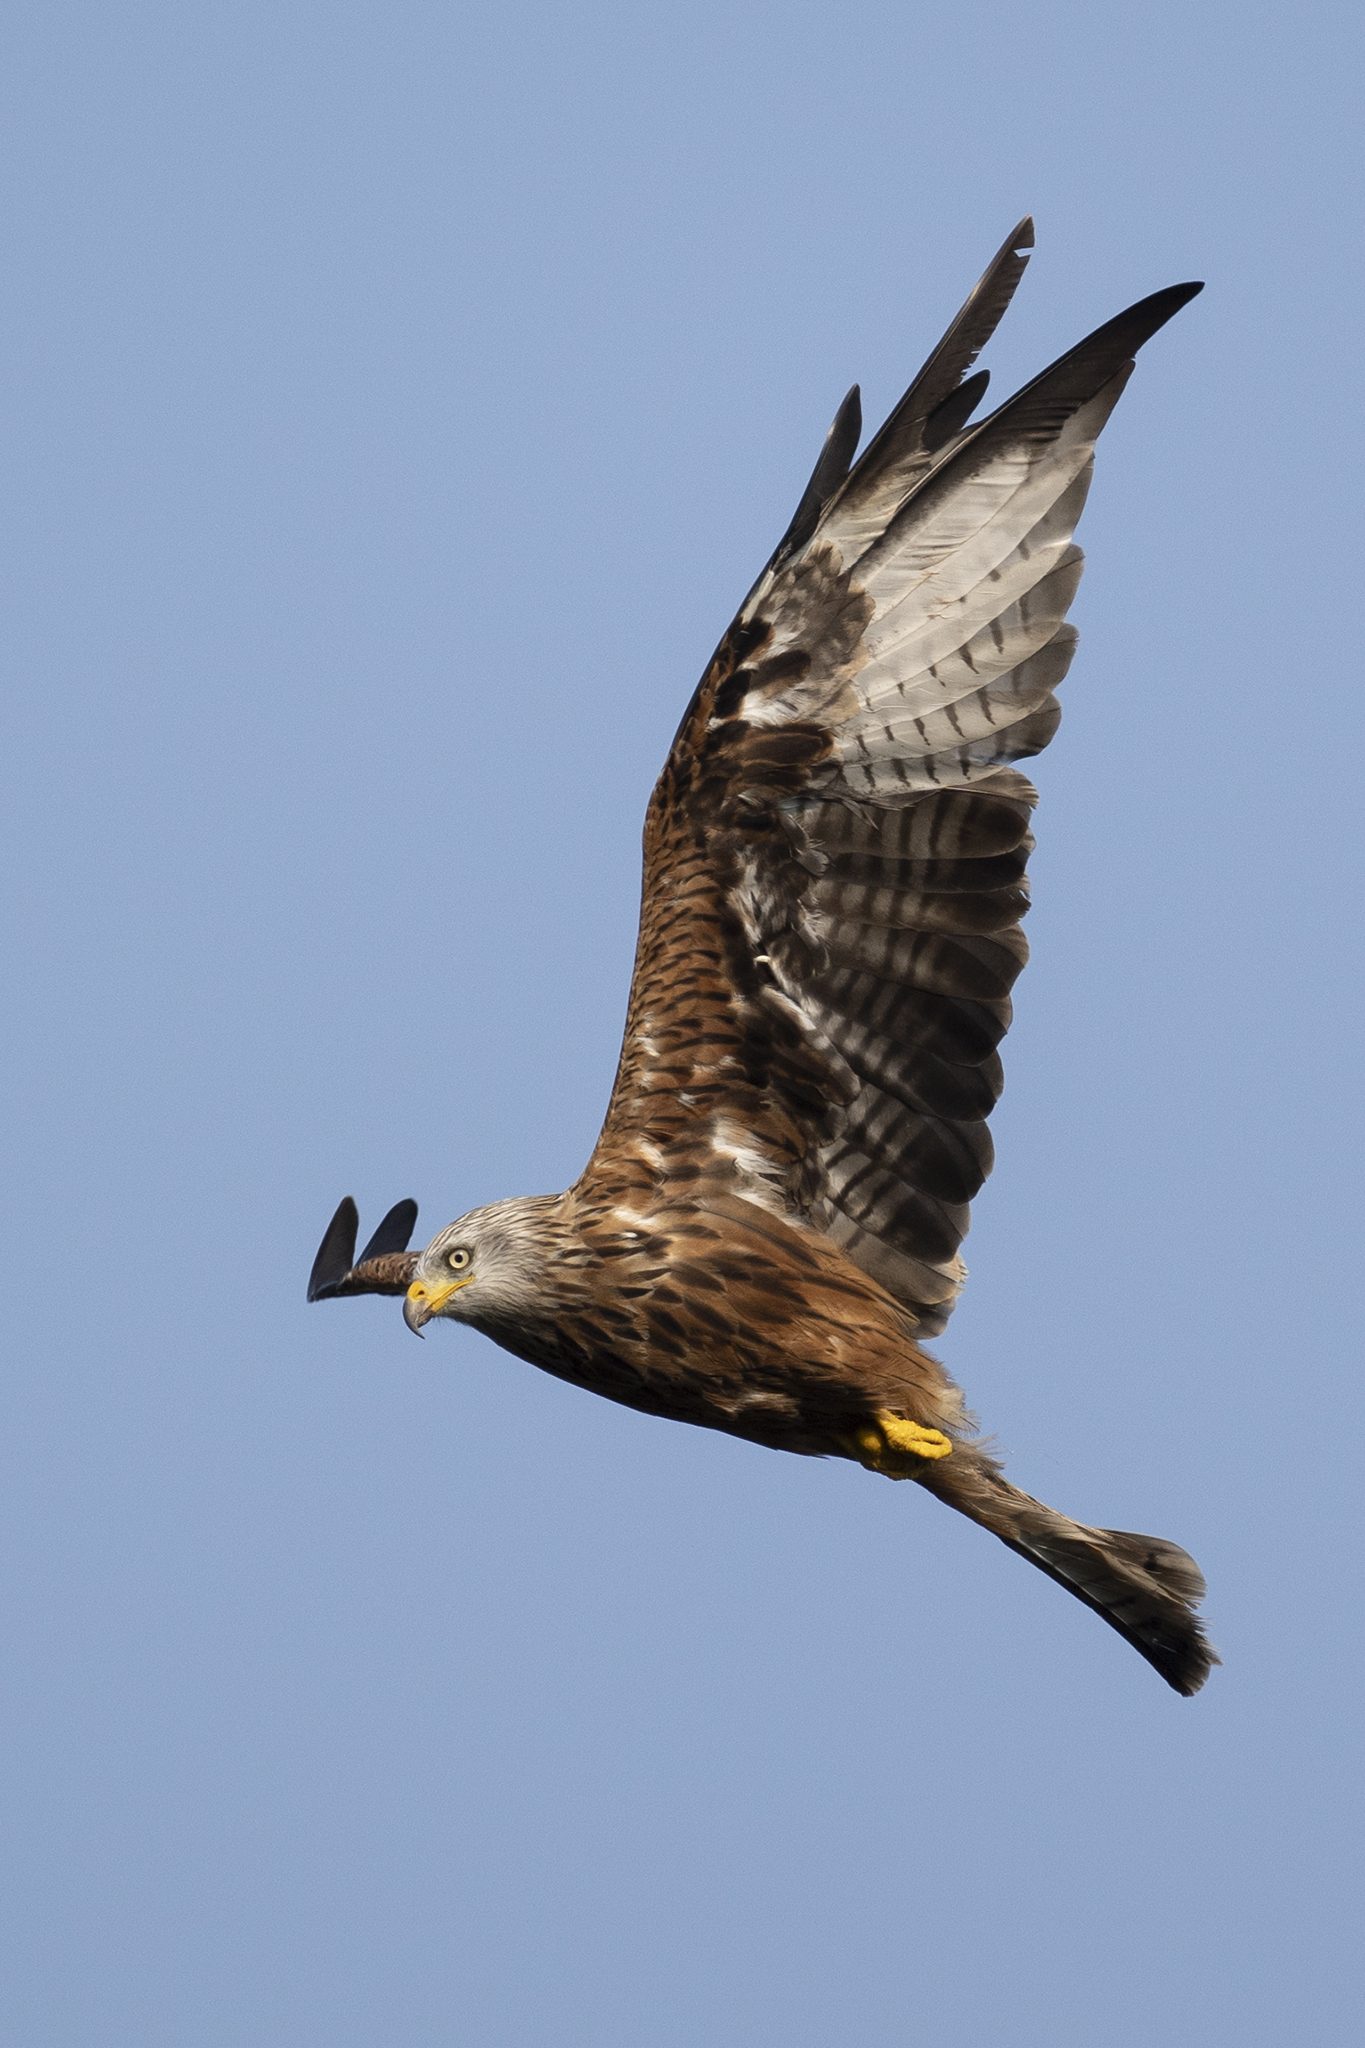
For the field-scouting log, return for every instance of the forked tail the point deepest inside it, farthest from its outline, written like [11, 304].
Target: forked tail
[1145, 1588]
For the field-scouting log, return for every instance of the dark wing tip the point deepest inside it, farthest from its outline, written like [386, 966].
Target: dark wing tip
[1159, 307]
[393, 1233]
[835, 460]
[938, 402]
[952, 413]
[1105, 356]
[385, 1266]
[1119, 339]
[1136, 325]
[848, 421]
[336, 1253]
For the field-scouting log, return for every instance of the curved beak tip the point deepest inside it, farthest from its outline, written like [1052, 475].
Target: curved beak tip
[425, 1301]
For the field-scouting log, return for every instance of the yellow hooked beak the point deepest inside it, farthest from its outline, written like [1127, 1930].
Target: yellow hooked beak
[424, 1302]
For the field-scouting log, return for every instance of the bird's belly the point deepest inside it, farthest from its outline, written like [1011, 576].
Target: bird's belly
[779, 1401]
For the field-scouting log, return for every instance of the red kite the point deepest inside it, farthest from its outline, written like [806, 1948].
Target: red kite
[768, 1228]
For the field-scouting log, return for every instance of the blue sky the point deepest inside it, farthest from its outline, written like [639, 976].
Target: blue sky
[401, 400]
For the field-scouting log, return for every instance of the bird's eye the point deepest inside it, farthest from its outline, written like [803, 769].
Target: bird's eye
[457, 1260]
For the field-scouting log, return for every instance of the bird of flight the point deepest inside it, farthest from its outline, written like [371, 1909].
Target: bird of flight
[834, 877]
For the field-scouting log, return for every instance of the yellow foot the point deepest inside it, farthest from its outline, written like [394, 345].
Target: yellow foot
[894, 1443]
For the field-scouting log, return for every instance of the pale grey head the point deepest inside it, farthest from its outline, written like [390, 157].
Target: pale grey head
[489, 1267]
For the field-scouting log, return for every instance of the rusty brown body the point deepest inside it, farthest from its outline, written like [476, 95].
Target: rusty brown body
[722, 1314]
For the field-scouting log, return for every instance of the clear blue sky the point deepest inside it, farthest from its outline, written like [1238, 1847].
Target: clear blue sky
[399, 402]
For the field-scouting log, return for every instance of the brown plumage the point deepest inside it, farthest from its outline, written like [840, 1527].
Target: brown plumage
[769, 1224]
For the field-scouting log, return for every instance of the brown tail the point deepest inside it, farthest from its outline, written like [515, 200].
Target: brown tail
[1145, 1588]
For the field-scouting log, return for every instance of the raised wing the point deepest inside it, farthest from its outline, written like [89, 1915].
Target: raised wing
[835, 852]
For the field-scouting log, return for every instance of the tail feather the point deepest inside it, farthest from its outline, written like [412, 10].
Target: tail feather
[1145, 1588]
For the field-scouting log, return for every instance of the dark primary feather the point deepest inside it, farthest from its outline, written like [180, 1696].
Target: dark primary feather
[980, 314]
[938, 401]
[394, 1233]
[840, 446]
[933, 410]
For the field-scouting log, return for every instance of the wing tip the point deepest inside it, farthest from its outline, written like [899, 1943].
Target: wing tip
[393, 1233]
[1178, 295]
[336, 1253]
[836, 455]
[1149, 315]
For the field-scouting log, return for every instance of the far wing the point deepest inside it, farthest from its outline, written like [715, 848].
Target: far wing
[836, 850]
[386, 1266]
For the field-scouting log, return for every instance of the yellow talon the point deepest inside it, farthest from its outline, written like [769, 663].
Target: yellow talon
[913, 1437]
[885, 1447]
